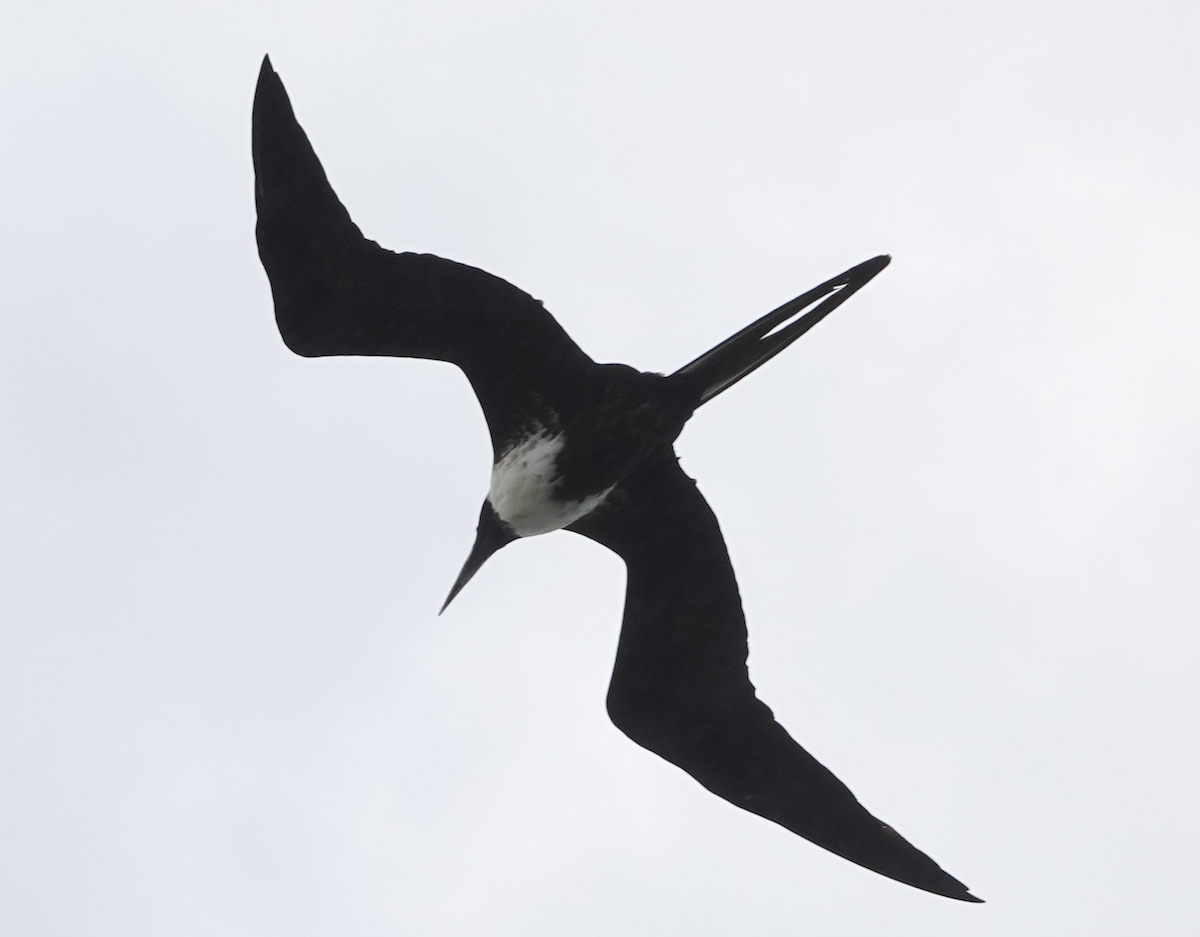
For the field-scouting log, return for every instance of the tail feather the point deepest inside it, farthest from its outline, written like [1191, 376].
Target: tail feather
[726, 364]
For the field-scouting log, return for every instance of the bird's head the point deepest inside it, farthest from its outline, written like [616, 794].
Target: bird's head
[491, 534]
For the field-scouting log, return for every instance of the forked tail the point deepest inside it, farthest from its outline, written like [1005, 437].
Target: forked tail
[759, 342]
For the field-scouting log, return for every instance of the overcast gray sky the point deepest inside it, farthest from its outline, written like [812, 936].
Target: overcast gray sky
[963, 510]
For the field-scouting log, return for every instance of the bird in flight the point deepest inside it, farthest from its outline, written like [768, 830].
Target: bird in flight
[584, 447]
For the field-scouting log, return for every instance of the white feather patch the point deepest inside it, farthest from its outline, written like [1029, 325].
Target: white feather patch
[522, 489]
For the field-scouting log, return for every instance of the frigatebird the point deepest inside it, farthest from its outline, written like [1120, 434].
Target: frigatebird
[584, 447]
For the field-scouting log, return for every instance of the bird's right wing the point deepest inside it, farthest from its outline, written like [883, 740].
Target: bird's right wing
[337, 293]
[680, 686]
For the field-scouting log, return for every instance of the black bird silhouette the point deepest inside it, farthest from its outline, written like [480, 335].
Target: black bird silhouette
[586, 447]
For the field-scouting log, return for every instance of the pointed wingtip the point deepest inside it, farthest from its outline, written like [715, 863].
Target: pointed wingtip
[949, 887]
[940, 882]
[269, 85]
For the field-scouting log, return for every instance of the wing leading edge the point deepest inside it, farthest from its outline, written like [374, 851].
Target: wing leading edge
[681, 689]
[338, 293]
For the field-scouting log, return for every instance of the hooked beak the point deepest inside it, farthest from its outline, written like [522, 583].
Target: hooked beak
[723, 366]
[491, 534]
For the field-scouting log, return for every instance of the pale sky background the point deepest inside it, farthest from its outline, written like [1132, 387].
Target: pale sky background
[963, 511]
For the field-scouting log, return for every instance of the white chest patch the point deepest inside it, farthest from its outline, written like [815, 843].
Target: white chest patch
[522, 490]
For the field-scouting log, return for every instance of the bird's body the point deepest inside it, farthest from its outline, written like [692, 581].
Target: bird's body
[586, 447]
[524, 488]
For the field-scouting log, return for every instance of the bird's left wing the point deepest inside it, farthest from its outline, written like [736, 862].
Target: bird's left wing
[338, 293]
[680, 686]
